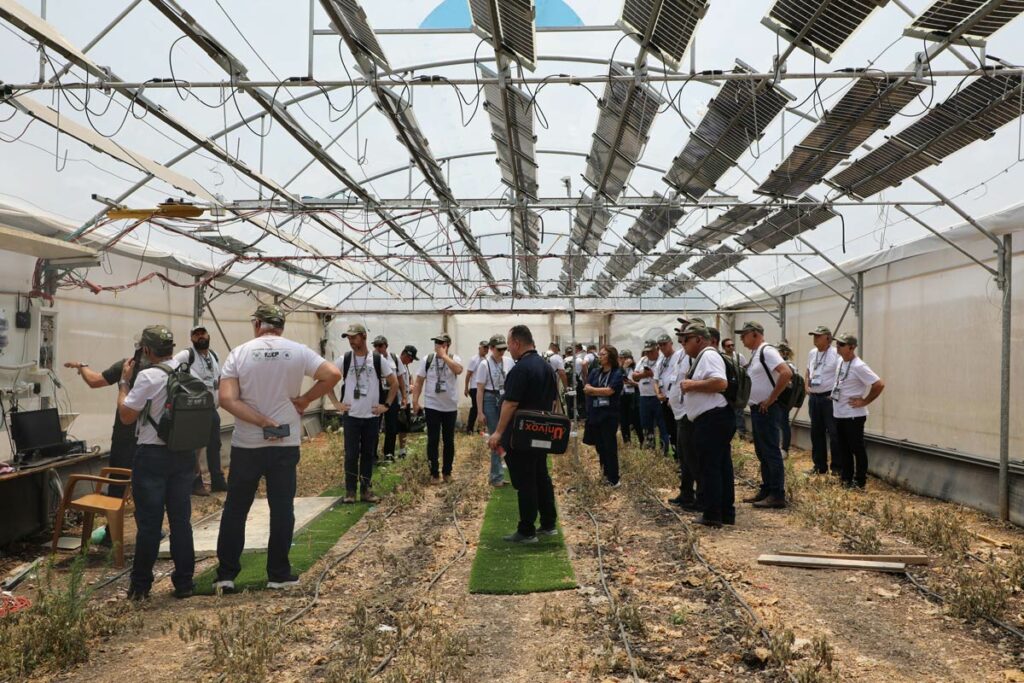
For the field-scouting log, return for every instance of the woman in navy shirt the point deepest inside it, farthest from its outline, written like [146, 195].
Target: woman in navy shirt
[603, 390]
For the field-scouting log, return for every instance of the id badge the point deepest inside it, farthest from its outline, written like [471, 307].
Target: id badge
[501, 392]
[441, 387]
[602, 402]
[357, 394]
[815, 382]
[835, 394]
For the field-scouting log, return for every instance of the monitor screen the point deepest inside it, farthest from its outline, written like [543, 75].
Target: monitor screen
[35, 429]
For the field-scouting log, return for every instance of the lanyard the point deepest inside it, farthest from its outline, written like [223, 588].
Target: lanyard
[359, 369]
[820, 358]
[439, 367]
[840, 377]
[606, 376]
[490, 373]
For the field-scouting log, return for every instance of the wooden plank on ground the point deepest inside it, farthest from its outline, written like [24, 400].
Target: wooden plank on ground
[827, 563]
[997, 543]
[905, 559]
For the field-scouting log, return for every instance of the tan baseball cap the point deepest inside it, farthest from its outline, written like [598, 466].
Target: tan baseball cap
[821, 329]
[353, 330]
[751, 326]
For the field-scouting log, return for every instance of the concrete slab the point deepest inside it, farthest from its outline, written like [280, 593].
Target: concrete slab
[257, 526]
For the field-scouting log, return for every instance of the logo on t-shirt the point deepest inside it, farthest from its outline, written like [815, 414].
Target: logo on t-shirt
[271, 355]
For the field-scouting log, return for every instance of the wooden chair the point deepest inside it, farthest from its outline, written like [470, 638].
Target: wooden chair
[95, 503]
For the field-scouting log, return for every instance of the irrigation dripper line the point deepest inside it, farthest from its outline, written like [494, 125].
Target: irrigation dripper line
[941, 600]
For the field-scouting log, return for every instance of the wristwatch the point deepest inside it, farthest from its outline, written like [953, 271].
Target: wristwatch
[80, 366]
[123, 384]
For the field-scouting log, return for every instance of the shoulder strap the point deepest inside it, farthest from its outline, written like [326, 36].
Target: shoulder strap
[149, 418]
[214, 354]
[192, 356]
[378, 369]
[764, 364]
[430, 361]
[695, 363]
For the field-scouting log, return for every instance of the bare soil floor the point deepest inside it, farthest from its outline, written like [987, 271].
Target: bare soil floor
[394, 604]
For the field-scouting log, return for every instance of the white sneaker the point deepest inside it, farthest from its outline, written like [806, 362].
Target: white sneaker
[291, 582]
[225, 587]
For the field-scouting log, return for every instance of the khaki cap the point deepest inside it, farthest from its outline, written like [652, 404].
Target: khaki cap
[497, 341]
[380, 339]
[156, 336]
[847, 338]
[353, 330]
[751, 326]
[664, 339]
[696, 329]
[649, 344]
[821, 329]
[442, 338]
[269, 313]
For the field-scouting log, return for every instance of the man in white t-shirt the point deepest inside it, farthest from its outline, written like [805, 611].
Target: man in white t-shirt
[204, 365]
[691, 496]
[363, 401]
[490, 392]
[161, 478]
[856, 386]
[822, 363]
[390, 419]
[470, 388]
[437, 382]
[651, 415]
[713, 425]
[405, 361]
[769, 376]
[664, 379]
[261, 385]
[729, 350]
[557, 364]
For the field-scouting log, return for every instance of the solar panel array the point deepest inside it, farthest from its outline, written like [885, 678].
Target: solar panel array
[786, 224]
[653, 223]
[402, 118]
[867, 107]
[944, 17]
[515, 29]
[974, 113]
[736, 118]
[819, 27]
[722, 259]
[679, 286]
[348, 16]
[589, 225]
[640, 286]
[516, 147]
[668, 263]
[732, 222]
[573, 267]
[673, 27]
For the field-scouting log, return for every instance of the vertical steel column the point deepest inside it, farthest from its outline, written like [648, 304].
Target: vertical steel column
[312, 4]
[197, 302]
[860, 313]
[782, 316]
[1005, 270]
[42, 47]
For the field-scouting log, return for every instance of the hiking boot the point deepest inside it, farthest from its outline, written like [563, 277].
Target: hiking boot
[290, 581]
[225, 587]
[520, 538]
[435, 480]
[553, 531]
[350, 497]
[200, 491]
[756, 498]
[447, 478]
[771, 502]
[183, 592]
[137, 594]
[368, 497]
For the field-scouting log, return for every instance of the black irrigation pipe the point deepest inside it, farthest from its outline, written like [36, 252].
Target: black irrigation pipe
[938, 598]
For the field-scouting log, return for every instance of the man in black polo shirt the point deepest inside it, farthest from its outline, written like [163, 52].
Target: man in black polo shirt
[531, 385]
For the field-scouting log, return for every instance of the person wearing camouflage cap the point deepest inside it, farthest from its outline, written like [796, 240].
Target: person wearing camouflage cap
[401, 400]
[204, 364]
[470, 388]
[437, 382]
[856, 387]
[651, 414]
[261, 386]
[769, 377]
[822, 363]
[161, 478]
[490, 392]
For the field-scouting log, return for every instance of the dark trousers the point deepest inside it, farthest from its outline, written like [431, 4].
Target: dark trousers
[528, 471]
[670, 420]
[471, 422]
[581, 400]
[689, 463]
[853, 454]
[122, 454]
[607, 447]
[248, 465]
[766, 446]
[651, 418]
[361, 436]
[440, 425]
[391, 428]
[627, 421]
[741, 422]
[212, 454]
[785, 429]
[823, 433]
[712, 437]
[162, 481]
[570, 406]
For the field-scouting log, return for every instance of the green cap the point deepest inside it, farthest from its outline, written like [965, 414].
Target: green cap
[751, 326]
[685, 322]
[269, 313]
[821, 329]
[696, 329]
[353, 330]
[156, 336]
[664, 339]
[649, 344]
[625, 353]
[380, 339]
[497, 342]
[846, 338]
[485, 342]
[442, 338]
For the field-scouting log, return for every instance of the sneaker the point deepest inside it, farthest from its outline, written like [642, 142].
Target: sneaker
[350, 497]
[757, 498]
[401, 453]
[368, 497]
[183, 592]
[520, 538]
[447, 478]
[615, 485]
[681, 500]
[225, 587]
[291, 581]
[498, 484]
[771, 502]
[435, 480]
[548, 532]
[137, 594]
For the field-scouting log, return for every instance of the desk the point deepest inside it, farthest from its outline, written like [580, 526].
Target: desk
[25, 501]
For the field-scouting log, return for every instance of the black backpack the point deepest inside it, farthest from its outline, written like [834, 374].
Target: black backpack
[347, 363]
[188, 411]
[192, 356]
[737, 390]
[792, 396]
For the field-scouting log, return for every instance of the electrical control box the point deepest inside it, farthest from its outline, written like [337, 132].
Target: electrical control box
[47, 358]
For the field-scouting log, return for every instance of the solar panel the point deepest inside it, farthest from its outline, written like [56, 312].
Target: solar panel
[402, 118]
[819, 27]
[349, 20]
[653, 223]
[589, 225]
[672, 29]
[679, 286]
[640, 286]
[622, 261]
[603, 286]
[668, 263]
[736, 118]
[573, 267]
[722, 259]
[786, 224]
[974, 113]
[945, 17]
[625, 115]
[516, 147]
[526, 230]
[528, 272]
[732, 222]
[866, 108]
[514, 32]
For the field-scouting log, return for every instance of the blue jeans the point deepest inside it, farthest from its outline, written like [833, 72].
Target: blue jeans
[248, 466]
[766, 446]
[651, 416]
[492, 412]
[162, 480]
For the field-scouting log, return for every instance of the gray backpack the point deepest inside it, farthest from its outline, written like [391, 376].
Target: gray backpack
[188, 411]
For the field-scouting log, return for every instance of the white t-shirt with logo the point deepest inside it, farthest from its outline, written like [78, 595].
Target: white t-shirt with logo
[270, 370]
[205, 368]
[647, 383]
[853, 380]
[361, 373]
[491, 374]
[150, 385]
[680, 366]
[709, 365]
[821, 367]
[447, 401]
[760, 386]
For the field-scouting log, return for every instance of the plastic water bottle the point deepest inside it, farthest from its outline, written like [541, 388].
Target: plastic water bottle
[98, 534]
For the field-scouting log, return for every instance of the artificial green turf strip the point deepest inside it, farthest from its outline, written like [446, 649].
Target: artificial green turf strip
[310, 544]
[505, 568]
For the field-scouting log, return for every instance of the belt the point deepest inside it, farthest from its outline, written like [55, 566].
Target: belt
[820, 393]
[492, 391]
[711, 411]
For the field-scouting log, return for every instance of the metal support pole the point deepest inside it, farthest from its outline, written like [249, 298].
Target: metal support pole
[1005, 271]
[782, 316]
[312, 5]
[197, 302]
[860, 313]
